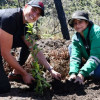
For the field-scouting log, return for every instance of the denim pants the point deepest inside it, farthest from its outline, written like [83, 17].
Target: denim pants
[95, 73]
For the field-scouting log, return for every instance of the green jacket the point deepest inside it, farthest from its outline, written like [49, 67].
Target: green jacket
[79, 51]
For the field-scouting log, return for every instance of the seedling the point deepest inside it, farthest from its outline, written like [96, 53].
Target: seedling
[37, 71]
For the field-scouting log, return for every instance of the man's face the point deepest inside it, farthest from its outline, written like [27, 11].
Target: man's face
[80, 25]
[31, 14]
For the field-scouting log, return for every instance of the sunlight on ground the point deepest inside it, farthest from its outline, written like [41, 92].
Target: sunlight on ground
[53, 36]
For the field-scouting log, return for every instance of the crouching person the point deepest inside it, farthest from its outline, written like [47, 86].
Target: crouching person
[86, 44]
[12, 35]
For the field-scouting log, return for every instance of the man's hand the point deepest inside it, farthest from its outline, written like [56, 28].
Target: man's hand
[28, 79]
[55, 74]
[72, 77]
[80, 79]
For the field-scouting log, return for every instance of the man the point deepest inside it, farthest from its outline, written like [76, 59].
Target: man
[12, 35]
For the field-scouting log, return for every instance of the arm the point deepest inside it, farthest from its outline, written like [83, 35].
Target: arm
[42, 60]
[6, 40]
[75, 59]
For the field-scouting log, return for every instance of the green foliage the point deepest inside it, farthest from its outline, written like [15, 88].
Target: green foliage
[91, 6]
[37, 70]
[11, 3]
[8, 4]
[49, 24]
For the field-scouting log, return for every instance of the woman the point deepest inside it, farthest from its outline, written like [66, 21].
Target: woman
[86, 44]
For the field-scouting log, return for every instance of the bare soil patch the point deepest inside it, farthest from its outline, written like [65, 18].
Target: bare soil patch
[56, 52]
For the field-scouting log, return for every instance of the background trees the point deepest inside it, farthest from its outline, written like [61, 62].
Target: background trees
[62, 19]
[50, 25]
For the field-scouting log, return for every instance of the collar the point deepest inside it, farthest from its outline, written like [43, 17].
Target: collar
[85, 32]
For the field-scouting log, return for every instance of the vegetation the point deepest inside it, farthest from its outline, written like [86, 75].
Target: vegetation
[49, 26]
[50, 23]
[37, 71]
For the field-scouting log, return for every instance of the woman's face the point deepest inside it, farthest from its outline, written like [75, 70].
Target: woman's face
[31, 14]
[80, 25]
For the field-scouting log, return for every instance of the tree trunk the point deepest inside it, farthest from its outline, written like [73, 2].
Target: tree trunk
[62, 19]
[19, 3]
[24, 2]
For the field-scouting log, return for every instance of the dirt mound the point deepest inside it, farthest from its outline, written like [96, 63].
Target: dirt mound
[56, 52]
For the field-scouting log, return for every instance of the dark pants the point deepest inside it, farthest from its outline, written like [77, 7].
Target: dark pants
[4, 82]
[24, 53]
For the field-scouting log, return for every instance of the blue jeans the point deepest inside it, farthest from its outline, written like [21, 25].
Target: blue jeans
[95, 73]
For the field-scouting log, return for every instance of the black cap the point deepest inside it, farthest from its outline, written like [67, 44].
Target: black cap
[37, 3]
[78, 15]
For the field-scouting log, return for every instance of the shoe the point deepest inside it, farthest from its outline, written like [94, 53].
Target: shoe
[15, 77]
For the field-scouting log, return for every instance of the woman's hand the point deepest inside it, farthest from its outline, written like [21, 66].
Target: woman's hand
[55, 74]
[72, 77]
[80, 79]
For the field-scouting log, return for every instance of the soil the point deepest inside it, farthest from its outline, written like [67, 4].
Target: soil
[56, 52]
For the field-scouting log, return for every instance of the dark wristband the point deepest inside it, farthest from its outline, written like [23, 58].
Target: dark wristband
[50, 68]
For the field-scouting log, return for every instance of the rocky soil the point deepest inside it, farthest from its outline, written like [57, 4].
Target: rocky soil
[56, 52]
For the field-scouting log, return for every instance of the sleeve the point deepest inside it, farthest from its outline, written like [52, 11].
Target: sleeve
[94, 59]
[8, 24]
[75, 59]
